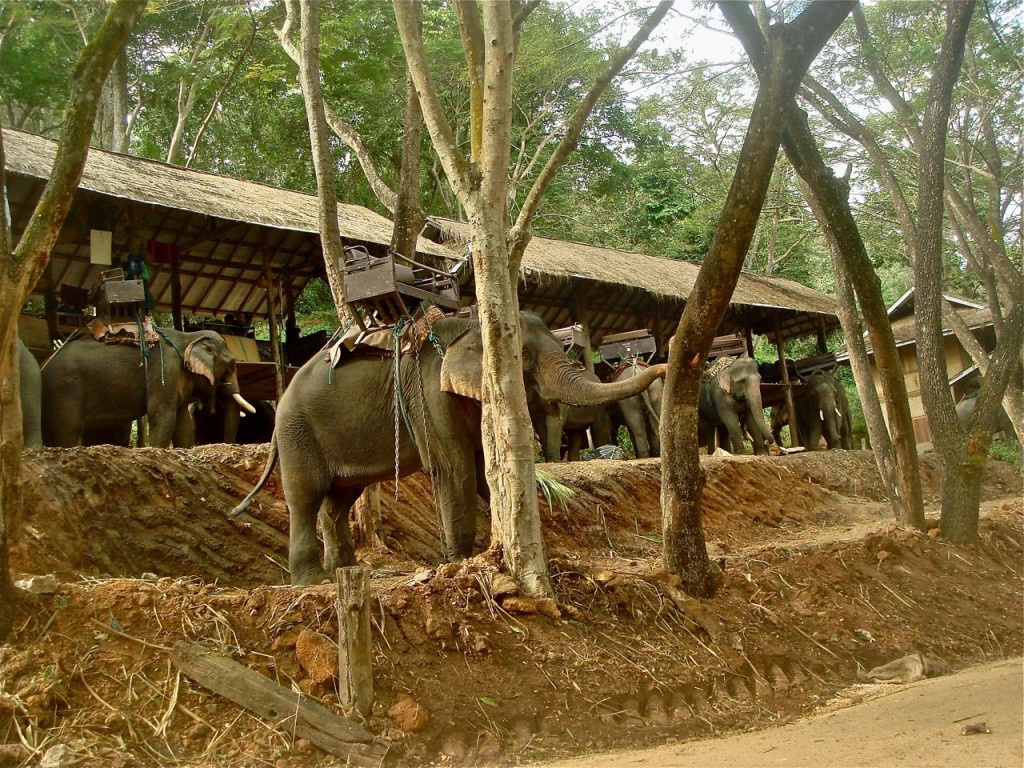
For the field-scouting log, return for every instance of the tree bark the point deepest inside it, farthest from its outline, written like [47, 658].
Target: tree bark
[962, 462]
[323, 163]
[791, 49]
[20, 268]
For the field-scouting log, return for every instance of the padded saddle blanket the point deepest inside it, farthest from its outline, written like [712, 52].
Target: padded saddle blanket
[381, 341]
[125, 333]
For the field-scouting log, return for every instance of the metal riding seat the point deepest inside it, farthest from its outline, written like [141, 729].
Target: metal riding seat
[381, 290]
[617, 347]
[118, 301]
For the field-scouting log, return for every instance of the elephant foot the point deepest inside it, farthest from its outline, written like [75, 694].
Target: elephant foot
[309, 577]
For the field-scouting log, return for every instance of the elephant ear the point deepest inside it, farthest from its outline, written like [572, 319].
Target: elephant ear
[199, 360]
[462, 367]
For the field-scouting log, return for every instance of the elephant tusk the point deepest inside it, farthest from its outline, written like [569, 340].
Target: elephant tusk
[243, 402]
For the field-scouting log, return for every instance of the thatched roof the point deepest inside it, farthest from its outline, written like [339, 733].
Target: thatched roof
[627, 290]
[222, 225]
[224, 229]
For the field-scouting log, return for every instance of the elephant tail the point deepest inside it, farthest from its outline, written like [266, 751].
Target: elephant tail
[271, 461]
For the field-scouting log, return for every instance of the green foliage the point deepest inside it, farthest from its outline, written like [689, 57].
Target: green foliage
[41, 42]
[555, 493]
[314, 308]
[1007, 452]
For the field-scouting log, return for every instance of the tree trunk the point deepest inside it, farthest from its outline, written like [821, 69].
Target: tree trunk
[785, 60]
[962, 461]
[21, 268]
[409, 216]
[481, 185]
[827, 197]
[323, 164]
[11, 444]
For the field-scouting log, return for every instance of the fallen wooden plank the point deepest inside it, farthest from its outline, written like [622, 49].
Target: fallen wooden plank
[289, 711]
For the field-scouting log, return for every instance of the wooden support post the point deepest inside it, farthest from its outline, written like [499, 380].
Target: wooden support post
[822, 341]
[355, 652]
[50, 304]
[748, 337]
[176, 291]
[291, 333]
[367, 514]
[275, 341]
[582, 316]
[780, 343]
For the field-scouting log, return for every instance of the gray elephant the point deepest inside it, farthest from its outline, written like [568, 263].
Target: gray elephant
[1003, 424]
[823, 410]
[94, 391]
[729, 403]
[553, 418]
[31, 393]
[335, 433]
[640, 415]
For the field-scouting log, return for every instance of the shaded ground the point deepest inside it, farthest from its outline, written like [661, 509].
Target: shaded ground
[818, 584]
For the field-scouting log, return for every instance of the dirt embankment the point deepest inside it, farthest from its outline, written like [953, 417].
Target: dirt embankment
[817, 584]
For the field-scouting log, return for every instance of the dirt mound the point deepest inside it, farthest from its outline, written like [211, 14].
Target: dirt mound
[818, 584]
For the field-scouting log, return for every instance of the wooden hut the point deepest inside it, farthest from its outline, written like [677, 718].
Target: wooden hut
[959, 365]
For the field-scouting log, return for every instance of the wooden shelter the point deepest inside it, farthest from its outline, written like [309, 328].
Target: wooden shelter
[214, 245]
[959, 365]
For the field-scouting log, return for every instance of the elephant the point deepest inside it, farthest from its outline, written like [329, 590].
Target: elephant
[31, 392]
[336, 432]
[253, 429]
[730, 402]
[823, 410]
[93, 390]
[641, 414]
[1003, 424]
[552, 418]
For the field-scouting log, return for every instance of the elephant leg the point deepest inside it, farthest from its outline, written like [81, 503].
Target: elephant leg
[654, 441]
[184, 431]
[456, 493]
[304, 496]
[553, 437]
[637, 426]
[812, 437]
[575, 444]
[162, 420]
[732, 424]
[339, 551]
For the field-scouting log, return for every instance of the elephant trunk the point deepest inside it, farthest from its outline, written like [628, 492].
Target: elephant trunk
[560, 380]
[763, 431]
[830, 422]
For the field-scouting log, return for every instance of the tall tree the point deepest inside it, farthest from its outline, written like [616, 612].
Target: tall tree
[962, 459]
[491, 33]
[828, 198]
[789, 51]
[22, 265]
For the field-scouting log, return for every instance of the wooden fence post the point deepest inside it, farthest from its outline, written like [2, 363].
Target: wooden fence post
[367, 514]
[355, 661]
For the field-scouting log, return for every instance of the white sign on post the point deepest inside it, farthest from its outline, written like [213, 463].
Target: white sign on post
[100, 241]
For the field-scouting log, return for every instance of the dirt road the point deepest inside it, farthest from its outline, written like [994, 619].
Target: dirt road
[906, 725]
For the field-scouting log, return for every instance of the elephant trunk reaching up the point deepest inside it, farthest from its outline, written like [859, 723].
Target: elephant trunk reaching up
[572, 386]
